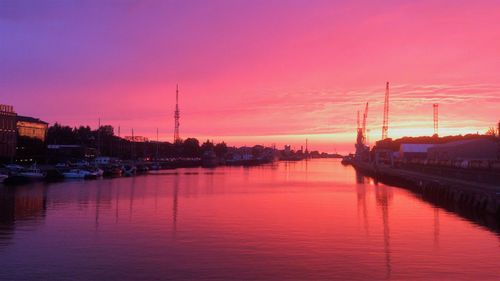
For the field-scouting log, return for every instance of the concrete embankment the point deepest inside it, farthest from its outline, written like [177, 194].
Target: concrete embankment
[481, 197]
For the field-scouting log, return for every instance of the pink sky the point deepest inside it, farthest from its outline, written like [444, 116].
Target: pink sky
[254, 71]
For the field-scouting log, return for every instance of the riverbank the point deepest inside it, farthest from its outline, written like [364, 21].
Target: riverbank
[19, 175]
[472, 194]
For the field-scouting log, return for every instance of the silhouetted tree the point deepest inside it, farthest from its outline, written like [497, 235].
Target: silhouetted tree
[191, 148]
[492, 131]
[207, 146]
[220, 149]
[58, 134]
[83, 135]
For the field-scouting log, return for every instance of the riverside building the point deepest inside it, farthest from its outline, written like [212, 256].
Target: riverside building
[8, 136]
[32, 127]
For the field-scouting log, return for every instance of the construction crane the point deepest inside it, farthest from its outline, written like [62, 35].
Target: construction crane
[365, 115]
[362, 150]
[359, 126]
[385, 124]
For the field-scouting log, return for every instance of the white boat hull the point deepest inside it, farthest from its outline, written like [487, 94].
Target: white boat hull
[77, 174]
[32, 175]
[3, 178]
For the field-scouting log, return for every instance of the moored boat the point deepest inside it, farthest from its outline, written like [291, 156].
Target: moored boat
[155, 166]
[77, 174]
[112, 171]
[129, 170]
[32, 173]
[95, 171]
[3, 178]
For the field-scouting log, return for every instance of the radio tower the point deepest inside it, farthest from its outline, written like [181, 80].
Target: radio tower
[177, 115]
[436, 121]
[385, 125]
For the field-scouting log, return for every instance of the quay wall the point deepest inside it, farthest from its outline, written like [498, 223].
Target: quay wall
[479, 197]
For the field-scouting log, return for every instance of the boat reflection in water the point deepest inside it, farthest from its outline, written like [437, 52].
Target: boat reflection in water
[314, 219]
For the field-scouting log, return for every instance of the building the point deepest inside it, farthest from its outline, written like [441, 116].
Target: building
[32, 127]
[409, 151]
[58, 153]
[8, 137]
[475, 149]
[136, 138]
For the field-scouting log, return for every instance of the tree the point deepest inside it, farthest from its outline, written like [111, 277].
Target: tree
[220, 149]
[58, 134]
[83, 134]
[107, 131]
[492, 132]
[191, 148]
[207, 146]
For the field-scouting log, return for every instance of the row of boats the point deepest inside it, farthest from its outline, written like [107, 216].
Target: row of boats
[19, 174]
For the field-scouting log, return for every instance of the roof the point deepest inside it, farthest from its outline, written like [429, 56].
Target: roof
[30, 119]
[462, 142]
[415, 147]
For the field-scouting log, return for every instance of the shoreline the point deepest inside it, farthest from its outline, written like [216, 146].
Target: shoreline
[478, 197]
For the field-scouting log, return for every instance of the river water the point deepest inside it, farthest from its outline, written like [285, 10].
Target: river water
[314, 220]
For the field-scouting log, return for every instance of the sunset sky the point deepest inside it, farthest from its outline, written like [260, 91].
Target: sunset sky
[256, 71]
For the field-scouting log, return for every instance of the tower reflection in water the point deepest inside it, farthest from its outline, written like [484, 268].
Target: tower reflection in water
[383, 198]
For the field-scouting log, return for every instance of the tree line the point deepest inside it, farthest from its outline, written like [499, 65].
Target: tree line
[104, 142]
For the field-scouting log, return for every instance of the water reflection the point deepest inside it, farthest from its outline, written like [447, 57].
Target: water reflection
[117, 204]
[175, 204]
[436, 228]
[305, 220]
[383, 195]
[20, 207]
[131, 198]
[489, 221]
[97, 205]
[361, 195]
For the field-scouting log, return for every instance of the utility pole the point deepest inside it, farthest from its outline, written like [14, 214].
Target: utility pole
[157, 143]
[436, 121]
[307, 148]
[99, 137]
[119, 142]
[132, 142]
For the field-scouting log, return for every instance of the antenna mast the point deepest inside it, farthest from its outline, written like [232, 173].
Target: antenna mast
[385, 124]
[177, 115]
